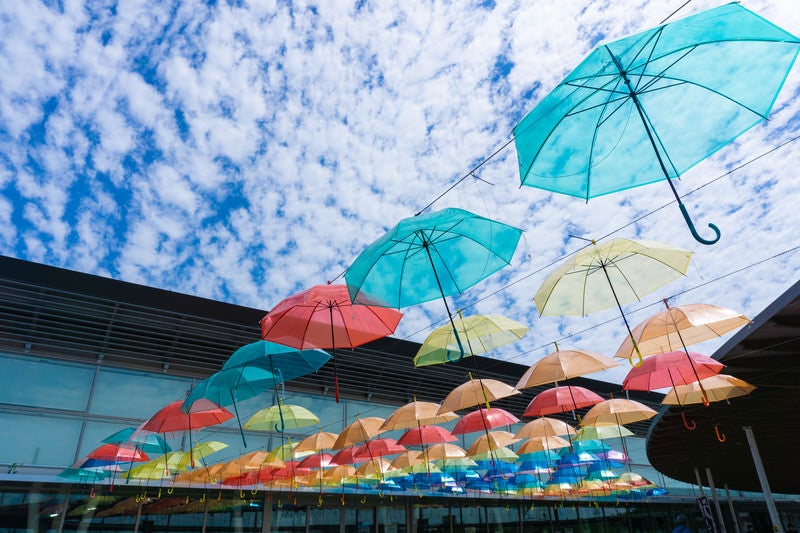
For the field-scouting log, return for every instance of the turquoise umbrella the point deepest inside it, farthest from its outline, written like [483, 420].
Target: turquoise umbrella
[429, 256]
[145, 441]
[650, 106]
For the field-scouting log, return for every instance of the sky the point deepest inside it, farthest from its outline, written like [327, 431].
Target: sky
[245, 151]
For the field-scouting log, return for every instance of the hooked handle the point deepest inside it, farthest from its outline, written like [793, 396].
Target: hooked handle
[722, 437]
[696, 235]
[687, 424]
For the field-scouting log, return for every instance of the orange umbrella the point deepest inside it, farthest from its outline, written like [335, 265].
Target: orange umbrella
[617, 412]
[476, 392]
[492, 440]
[682, 325]
[561, 400]
[717, 388]
[542, 444]
[562, 365]
[358, 431]
[322, 440]
[408, 458]
[545, 427]
[414, 414]
[445, 450]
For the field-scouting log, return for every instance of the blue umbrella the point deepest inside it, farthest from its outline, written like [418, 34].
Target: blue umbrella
[650, 106]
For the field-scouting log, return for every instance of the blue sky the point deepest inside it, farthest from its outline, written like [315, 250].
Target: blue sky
[245, 151]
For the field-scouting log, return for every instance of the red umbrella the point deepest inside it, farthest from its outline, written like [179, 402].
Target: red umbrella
[426, 435]
[671, 369]
[347, 456]
[116, 453]
[318, 460]
[324, 317]
[483, 420]
[171, 418]
[378, 448]
[290, 470]
[560, 400]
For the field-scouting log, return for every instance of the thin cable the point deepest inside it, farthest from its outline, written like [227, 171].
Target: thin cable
[687, 2]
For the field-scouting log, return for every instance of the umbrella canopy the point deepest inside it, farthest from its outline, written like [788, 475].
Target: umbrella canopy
[294, 416]
[322, 440]
[617, 412]
[378, 448]
[347, 456]
[716, 388]
[445, 451]
[429, 256]
[414, 414]
[145, 441]
[480, 333]
[616, 272]
[561, 400]
[671, 369]
[545, 427]
[285, 362]
[483, 420]
[409, 458]
[603, 432]
[490, 441]
[172, 418]
[628, 114]
[317, 460]
[324, 317]
[476, 392]
[118, 453]
[562, 365]
[358, 431]
[542, 444]
[680, 326]
[424, 435]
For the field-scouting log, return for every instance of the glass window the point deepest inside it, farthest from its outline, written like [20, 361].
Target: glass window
[40, 383]
[95, 432]
[129, 394]
[38, 440]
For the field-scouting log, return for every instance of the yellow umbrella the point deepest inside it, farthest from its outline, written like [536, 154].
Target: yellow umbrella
[542, 444]
[603, 432]
[358, 431]
[562, 365]
[545, 427]
[497, 454]
[478, 334]
[415, 414]
[610, 274]
[476, 392]
[617, 412]
[203, 449]
[291, 416]
[717, 388]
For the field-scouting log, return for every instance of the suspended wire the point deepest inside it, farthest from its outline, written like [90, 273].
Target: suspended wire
[686, 3]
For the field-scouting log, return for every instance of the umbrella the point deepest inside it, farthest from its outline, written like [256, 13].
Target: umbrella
[680, 326]
[229, 385]
[561, 400]
[483, 420]
[616, 272]
[671, 369]
[409, 458]
[284, 362]
[603, 432]
[542, 444]
[716, 388]
[475, 392]
[545, 427]
[424, 435]
[293, 416]
[322, 440]
[628, 115]
[445, 450]
[324, 317]
[147, 442]
[414, 414]
[358, 431]
[490, 441]
[616, 412]
[378, 448]
[117, 453]
[562, 365]
[482, 333]
[429, 256]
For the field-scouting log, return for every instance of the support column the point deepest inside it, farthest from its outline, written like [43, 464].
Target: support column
[714, 498]
[699, 481]
[266, 516]
[777, 527]
[734, 517]
[64, 511]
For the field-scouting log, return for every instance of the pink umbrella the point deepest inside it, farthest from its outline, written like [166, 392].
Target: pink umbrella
[484, 419]
[671, 369]
[378, 448]
[561, 400]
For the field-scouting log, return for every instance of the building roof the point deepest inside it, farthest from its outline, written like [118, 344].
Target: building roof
[766, 354]
[52, 312]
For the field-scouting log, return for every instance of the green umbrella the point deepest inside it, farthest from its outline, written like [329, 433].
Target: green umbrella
[429, 256]
[650, 106]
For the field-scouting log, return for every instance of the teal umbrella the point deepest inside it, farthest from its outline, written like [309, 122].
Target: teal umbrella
[284, 363]
[429, 256]
[650, 106]
[232, 385]
[145, 441]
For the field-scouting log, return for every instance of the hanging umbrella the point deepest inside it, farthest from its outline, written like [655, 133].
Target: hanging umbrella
[358, 431]
[424, 435]
[481, 333]
[616, 272]
[415, 414]
[562, 365]
[716, 389]
[561, 400]
[293, 416]
[228, 386]
[545, 427]
[284, 362]
[492, 440]
[476, 392]
[491, 455]
[628, 114]
[145, 441]
[680, 326]
[592, 433]
[483, 420]
[671, 369]
[446, 451]
[324, 317]
[322, 440]
[408, 458]
[617, 412]
[346, 456]
[378, 448]
[429, 256]
[542, 444]
[117, 453]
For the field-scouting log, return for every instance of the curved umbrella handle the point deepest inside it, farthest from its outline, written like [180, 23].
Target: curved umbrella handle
[458, 358]
[696, 235]
[690, 426]
[721, 437]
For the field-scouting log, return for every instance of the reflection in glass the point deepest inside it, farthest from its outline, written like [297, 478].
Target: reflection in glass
[39, 383]
[38, 440]
[129, 394]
